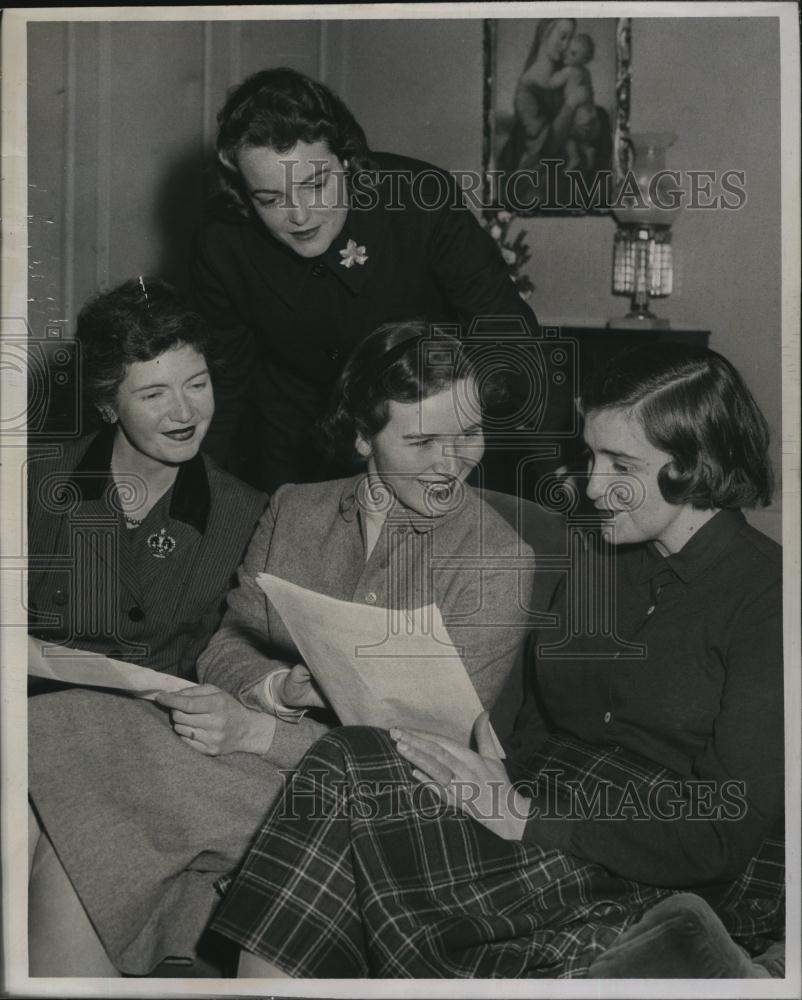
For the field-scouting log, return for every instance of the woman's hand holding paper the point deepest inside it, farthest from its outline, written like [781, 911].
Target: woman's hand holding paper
[476, 783]
[214, 723]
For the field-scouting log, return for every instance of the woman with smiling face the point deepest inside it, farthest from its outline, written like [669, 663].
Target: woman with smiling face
[143, 366]
[648, 757]
[406, 407]
[178, 790]
[134, 541]
[316, 242]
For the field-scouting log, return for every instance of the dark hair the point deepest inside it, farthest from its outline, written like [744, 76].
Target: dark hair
[406, 362]
[692, 404]
[278, 108]
[137, 321]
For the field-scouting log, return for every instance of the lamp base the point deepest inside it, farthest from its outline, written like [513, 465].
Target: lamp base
[638, 323]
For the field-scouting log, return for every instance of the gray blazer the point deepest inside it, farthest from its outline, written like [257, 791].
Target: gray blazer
[471, 562]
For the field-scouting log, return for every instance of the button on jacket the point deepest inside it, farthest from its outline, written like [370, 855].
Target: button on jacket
[96, 585]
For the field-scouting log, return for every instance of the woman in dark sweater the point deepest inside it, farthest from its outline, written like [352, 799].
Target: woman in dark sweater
[316, 242]
[647, 759]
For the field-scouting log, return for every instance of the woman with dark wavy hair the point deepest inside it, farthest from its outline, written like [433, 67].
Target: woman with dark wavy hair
[647, 759]
[277, 109]
[315, 242]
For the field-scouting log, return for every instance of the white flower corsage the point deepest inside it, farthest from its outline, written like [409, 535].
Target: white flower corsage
[353, 254]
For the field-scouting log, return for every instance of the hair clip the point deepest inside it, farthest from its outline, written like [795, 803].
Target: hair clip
[144, 290]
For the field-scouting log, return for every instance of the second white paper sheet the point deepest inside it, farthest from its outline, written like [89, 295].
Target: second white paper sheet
[377, 666]
[80, 667]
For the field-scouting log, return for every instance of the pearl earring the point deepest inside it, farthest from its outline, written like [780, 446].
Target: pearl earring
[107, 414]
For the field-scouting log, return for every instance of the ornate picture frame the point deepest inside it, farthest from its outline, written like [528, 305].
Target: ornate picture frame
[556, 114]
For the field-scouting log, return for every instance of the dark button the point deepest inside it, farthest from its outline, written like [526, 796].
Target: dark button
[319, 270]
[136, 614]
[60, 597]
[334, 353]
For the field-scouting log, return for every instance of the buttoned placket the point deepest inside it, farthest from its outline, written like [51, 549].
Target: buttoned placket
[657, 584]
[394, 571]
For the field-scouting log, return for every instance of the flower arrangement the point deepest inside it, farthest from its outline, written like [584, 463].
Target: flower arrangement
[515, 252]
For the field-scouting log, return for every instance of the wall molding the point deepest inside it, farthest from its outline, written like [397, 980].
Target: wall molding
[104, 115]
[69, 180]
[207, 112]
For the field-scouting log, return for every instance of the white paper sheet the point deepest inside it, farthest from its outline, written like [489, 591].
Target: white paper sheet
[379, 667]
[77, 666]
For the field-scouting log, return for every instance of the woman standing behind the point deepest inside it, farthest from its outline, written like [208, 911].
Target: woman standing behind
[647, 760]
[318, 242]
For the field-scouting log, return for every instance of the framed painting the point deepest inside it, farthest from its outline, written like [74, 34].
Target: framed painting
[556, 113]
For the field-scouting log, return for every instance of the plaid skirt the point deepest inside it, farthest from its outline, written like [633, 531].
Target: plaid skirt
[361, 871]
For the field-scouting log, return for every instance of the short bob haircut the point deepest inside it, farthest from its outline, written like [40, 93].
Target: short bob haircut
[137, 321]
[692, 404]
[278, 108]
[405, 362]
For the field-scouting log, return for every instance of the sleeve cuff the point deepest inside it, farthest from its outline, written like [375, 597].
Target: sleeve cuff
[279, 709]
[262, 697]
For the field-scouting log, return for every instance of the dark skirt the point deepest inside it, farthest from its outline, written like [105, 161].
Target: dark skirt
[360, 871]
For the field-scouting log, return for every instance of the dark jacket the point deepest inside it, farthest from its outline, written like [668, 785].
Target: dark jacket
[96, 585]
[286, 324]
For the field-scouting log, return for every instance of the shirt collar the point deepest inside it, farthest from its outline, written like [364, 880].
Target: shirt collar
[700, 552]
[191, 497]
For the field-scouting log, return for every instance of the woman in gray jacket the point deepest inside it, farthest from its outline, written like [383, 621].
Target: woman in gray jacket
[175, 799]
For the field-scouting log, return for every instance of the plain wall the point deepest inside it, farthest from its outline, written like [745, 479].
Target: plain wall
[122, 117]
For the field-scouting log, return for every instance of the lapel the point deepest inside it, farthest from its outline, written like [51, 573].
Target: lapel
[99, 527]
[185, 522]
[91, 480]
[348, 552]
[186, 518]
